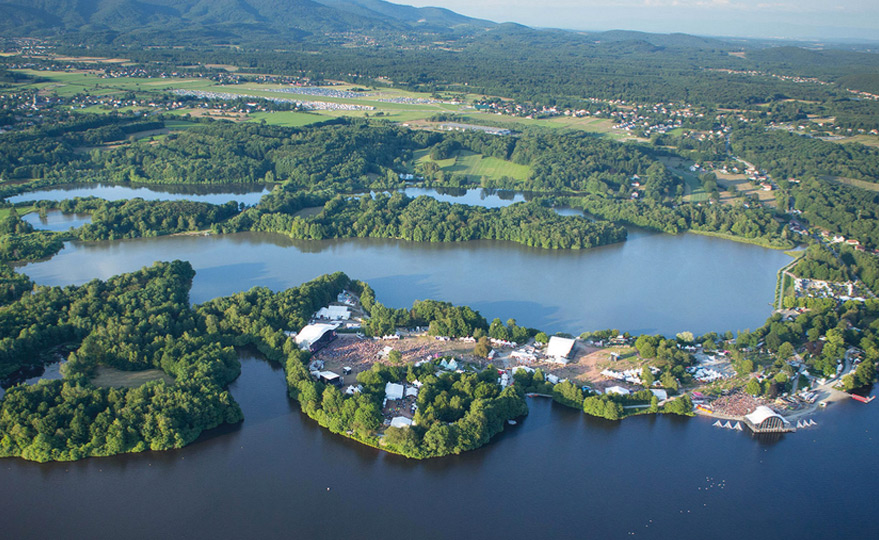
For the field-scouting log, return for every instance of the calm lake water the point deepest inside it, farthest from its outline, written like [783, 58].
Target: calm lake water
[218, 194]
[557, 474]
[652, 283]
[55, 220]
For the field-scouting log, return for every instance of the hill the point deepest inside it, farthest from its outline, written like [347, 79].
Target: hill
[184, 21]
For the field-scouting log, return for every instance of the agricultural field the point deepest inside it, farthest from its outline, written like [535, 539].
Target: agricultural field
[477, 165]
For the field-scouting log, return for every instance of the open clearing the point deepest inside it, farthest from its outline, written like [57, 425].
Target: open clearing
[866, 140]
[863, 184]
[477, 165]
[116, 378]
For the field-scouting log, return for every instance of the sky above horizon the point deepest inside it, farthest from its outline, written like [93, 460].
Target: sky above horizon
[788, 19]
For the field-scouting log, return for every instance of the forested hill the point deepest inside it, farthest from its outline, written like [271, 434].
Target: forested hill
[229, 20]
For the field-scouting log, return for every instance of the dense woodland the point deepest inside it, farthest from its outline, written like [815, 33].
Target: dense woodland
[425, 219]
[787, 155]
[131, 322]
[847, 210]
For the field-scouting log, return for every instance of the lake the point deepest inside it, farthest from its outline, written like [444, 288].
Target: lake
[488, 198]
[652, 283]
[213, 194]
[55, 220]
[557, 474]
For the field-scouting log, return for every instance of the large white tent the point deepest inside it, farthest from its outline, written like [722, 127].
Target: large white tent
[393, 391]
[311, 333]
[559, 349]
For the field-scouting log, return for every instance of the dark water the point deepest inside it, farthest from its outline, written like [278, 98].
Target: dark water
[55, 220]
[215, 194]
[652, 283]
[558, 474]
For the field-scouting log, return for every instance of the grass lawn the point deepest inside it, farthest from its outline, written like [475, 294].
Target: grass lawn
[693, 189]
[472, 164]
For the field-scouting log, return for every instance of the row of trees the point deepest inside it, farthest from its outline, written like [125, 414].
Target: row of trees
[754, 223]
[136, 218]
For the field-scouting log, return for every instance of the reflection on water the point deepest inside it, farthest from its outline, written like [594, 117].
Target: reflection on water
[55, 220]
[248, 194]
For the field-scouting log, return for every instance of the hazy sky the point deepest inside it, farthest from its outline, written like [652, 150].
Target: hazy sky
[802, 19]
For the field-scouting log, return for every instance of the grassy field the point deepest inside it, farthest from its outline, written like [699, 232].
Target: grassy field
[287, 118]
[22, 210]
[116, 378]
[600, 126]
[472, 164]
[863, 184]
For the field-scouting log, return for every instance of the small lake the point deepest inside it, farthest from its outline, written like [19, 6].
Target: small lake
[557, 474]
[487, 198]
[652, 283]
[214, 194]
[56, 221]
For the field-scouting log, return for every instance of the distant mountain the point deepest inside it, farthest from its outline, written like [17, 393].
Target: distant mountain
[430, 16]
[683, 41]
[246, 20]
